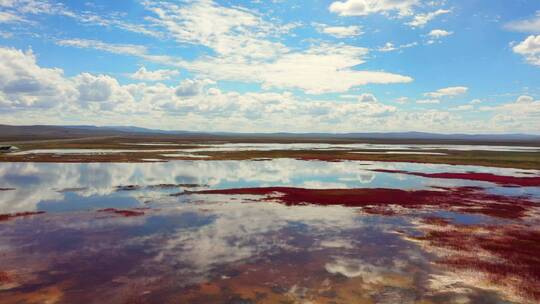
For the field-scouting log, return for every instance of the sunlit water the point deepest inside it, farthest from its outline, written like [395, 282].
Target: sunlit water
[219, 249]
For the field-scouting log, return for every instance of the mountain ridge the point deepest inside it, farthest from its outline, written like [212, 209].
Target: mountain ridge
[87, 130]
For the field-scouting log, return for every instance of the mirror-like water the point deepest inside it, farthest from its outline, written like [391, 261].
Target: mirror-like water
[159, 248]
[55, 187]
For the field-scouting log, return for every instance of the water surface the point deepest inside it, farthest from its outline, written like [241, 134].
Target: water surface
[229, 249]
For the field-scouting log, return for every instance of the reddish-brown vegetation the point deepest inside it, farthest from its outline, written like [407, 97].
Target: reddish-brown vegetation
[461, 199]
[4, 277]
[510, 254]
[8, 216]
[123, 212]
[524, 181]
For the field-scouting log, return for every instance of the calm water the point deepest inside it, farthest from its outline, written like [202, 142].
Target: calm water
[220, 249]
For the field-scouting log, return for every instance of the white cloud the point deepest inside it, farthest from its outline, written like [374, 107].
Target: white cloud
[523, 106]
[98, 19]
[120, 49]
[98, 95]
[367, 98]
[438, 33]
[23, 10]
[320, 69]
[101, 93]
[157, 75]
[36, 7]
[420, 20]
[447, 92]
[521, 114]
[7, 17]
[95, 88]
[531, 25]
[366, 7]
[227, 31]
[467, 107]
[402, 100]
[530, 49]
[390, 47]
[245, 50]
[6, 35]
[428, 101]
[340, 31]
[475, 101]
[45, 95]
[24, 84]
[123, 49]
[190, 88]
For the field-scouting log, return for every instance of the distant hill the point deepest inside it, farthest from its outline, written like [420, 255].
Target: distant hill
[18, 133]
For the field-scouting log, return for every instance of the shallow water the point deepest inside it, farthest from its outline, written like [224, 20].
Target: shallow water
[84, 186]
[227, 147]
[229, 248]
[318, 146]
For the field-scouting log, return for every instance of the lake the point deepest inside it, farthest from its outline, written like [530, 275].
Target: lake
[268, 231]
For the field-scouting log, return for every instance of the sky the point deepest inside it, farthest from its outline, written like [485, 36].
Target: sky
[463, 66]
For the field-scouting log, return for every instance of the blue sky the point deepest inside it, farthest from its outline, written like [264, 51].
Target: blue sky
[259, 66]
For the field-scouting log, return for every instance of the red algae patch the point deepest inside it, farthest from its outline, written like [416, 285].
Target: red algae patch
[380, 200]
[503, 258]
[523, 181]
[9, 216]
[4, 277]
[123, 212]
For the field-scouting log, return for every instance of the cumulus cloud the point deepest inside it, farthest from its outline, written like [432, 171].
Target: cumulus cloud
[524, 106]
[520, 114]
[447, 92]
[190, 88]
[366, 7]
[367, 98]
[340, 31]
[438, 33]
[421, 20]
[95, 88]
[25, 84]
[530, 49]
[531, 25]
[246, 50]
[100, 92]
[157, 75]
